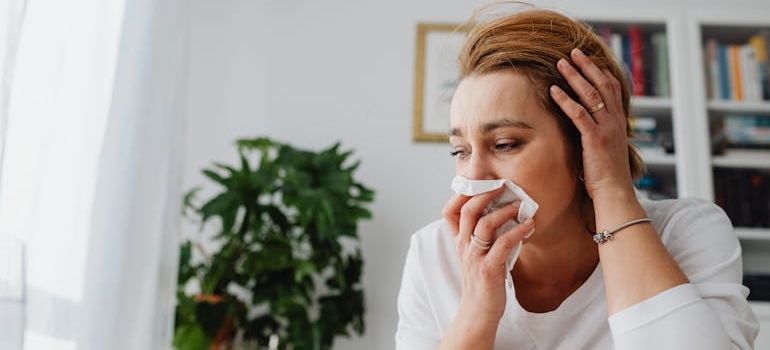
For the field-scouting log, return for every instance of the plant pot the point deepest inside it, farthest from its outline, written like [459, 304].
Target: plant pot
[217, 322]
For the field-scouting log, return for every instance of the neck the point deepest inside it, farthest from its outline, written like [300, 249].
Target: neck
[554, 264]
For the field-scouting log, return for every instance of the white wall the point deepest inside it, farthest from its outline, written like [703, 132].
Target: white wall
[315, 72]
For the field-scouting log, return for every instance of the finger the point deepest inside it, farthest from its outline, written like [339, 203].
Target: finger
[471, 211]
[487, 226]
[617, 96]
[575, 111]
[589, 96]
[451, 212]
[508, 240]
[597, 77]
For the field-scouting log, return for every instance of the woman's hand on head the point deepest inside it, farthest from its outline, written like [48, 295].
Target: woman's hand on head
[602, 122]
[483, 269]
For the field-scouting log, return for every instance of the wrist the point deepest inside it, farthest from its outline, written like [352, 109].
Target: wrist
[478, 322]
[470, 330]
[614, 195]
[612, 208]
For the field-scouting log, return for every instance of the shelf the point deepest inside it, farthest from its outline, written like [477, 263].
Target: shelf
[754, 234]
[651, 102]
[723, 106]
[656, 156]
[688, 117]
[740, 158]
[652, 106]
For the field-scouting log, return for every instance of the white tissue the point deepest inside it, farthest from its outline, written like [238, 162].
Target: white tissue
[527, 209]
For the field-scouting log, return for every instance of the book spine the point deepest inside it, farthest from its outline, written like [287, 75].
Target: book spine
[627, 59]
[763, 208]
[605, 34]
[637, 59]
[756, 204]
[712, 64]
[749, 73]
[661, 77]
[734, 60]
[724, 73]
[616, 42]
[759, 42]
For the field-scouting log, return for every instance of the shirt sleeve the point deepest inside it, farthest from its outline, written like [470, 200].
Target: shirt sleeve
[416, 324]
[710, 312]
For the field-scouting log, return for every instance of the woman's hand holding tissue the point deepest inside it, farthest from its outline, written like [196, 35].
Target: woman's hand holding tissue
[483, 270]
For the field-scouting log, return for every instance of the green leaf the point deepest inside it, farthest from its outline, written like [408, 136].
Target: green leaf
[216, 177]
[187, 200]
[304, 269]
[190, 337]
[224, 205]
[260, 143]
[292, 207]
[186, 270]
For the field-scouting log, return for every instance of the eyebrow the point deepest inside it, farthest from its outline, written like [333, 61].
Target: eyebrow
[493, 125]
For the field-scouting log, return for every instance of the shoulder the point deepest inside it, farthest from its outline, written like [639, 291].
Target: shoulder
[679, 218]
[697, 233]
[432, 254]
[432, 239]
[683, 211]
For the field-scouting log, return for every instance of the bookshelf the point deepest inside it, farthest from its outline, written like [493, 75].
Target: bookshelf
[692, 114]
[655, 100]
[688, 113]
[732, 169]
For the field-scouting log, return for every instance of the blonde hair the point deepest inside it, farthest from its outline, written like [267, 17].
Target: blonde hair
[530, 42]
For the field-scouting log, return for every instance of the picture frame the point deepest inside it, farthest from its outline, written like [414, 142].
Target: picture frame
[435, 79]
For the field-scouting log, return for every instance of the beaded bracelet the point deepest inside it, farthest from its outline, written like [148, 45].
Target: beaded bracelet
[604, 236]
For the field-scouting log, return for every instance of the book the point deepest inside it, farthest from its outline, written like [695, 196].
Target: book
[749, 70]
[734, 66]
[724, 73]
[747, 131]
[759, 42]
[744, 195]
[636, 47]
[661, 72]
[605, 34]
[712, 68]
[616, 43]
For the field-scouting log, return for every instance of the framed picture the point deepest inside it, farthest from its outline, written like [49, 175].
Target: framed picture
[435, 80]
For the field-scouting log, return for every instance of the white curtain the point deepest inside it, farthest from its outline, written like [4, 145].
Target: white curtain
[91, 169]
[11, 16]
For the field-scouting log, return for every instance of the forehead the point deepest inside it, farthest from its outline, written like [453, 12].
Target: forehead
[499, 95]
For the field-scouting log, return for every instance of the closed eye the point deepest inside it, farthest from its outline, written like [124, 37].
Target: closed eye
[459, 153]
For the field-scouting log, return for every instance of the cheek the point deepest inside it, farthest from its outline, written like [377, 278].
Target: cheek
[548, 179]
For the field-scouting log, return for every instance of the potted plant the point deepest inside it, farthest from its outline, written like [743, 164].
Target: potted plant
[284, 261]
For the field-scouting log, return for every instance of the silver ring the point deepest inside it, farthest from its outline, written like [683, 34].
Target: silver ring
[482, 244]
[597, 108]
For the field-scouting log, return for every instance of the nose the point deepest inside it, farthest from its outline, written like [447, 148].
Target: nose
[478, 167]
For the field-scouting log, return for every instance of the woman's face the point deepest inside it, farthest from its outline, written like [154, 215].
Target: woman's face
[498, 130]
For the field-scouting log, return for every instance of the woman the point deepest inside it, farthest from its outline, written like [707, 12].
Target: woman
[542, 103]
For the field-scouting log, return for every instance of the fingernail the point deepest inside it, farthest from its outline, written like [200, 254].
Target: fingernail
[530, 222]
[531, 232]
[516, 204]
[555, 89]
[562, 63]
[578, 53]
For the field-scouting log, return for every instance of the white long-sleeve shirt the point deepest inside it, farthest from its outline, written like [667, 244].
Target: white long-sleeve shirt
[710, 312]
